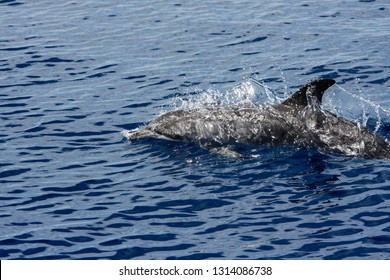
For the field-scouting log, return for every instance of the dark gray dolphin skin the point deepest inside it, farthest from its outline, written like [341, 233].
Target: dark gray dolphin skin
[299, 120]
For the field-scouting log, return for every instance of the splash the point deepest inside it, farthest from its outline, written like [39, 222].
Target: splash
[356, 108]
[248, 93]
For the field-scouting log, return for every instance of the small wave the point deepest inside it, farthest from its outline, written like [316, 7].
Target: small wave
[10, 3]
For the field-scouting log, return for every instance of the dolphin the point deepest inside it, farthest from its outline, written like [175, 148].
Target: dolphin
[298, 120]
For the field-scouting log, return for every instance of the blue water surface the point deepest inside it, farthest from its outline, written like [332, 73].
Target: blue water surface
[74, 74]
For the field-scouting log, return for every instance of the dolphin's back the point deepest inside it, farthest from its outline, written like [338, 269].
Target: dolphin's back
[331, 132]
[225, 125]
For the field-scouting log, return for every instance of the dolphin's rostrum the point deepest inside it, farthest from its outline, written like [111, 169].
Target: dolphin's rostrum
[299, 120]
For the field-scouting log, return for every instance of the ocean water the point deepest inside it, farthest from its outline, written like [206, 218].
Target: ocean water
[74, 74]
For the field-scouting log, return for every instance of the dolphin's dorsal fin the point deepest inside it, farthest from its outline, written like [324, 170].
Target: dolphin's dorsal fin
[317, 88]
